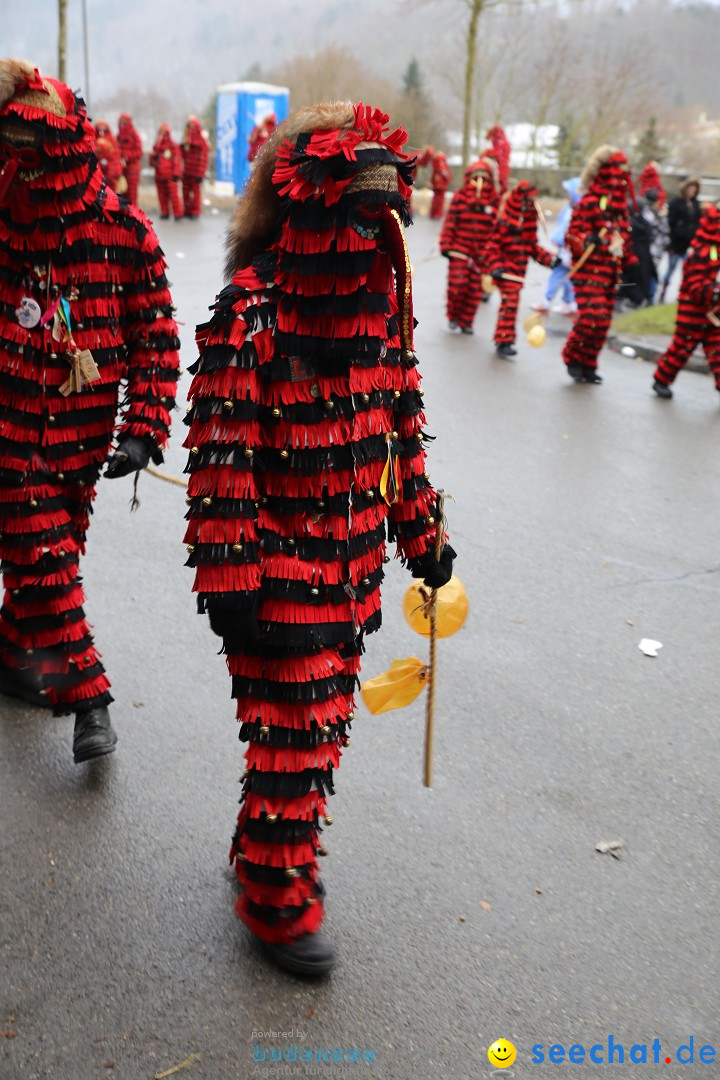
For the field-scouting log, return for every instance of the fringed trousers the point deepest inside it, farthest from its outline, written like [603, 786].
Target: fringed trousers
[295, 709]
[42, 621]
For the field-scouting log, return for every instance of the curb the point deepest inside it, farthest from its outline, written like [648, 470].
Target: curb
[647, 349]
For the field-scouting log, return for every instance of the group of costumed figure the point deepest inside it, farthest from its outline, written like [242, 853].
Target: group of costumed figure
[306, 441]
[490, 233]
[179, 168]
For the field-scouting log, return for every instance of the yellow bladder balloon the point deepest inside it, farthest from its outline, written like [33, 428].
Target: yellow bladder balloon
[451, 608]
[396, 687]
[536, 336]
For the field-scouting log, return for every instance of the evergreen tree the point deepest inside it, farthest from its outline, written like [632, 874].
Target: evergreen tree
[649, 146]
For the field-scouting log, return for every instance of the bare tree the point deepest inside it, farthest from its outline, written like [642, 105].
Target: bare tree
[62, 40]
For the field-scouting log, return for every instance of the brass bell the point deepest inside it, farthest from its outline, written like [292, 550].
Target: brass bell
[61, 476]
[237, 548]
[366, 397]
[189, 500]
[33, 502]
[272, 818]
[322, 851]
[277, 412]
[229, 405]
[314, 591]
[290, 871]
[326, 729]
[291, 542]
[311, 900]
[430, 520]
[369, 493]
[190, 548]
[207, 501]
[350, 715]
[249, 451]
[284, 453]
[329, 819]
[194, 449]
[394, 435]
[396, 393]
[329, 404]
[264, 729]
[315, 390]
[365, 581]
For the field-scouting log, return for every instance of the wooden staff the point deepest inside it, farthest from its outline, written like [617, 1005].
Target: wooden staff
[432, 615]
[586, 254]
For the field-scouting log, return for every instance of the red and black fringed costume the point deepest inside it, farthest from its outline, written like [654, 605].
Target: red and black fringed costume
[85, 307]
[130, 146]
[513, 243]
[108, 154]
[698, 316]
[440, 179]
[649, 180]
[260, 135]
[468, 226]
[598, 237]
[306, 448]
[166, 160]
[195, 154]
[501, 151]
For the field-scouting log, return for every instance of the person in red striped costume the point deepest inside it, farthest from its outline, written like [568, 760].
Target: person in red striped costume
[468, 225]
[86, 308]
[513, 243]
[698, 315]
[598, 237]
[306, 451]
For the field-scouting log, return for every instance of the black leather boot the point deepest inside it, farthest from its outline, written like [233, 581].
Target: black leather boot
[590, 375]
[661, 389]
[505, 349]
[311, 955]
[25, 684]
[94, 736]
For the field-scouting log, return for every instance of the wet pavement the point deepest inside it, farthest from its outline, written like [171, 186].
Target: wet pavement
[585, 519]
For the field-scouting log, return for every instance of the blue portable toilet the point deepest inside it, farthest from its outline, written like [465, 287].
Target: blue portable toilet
[240, 107]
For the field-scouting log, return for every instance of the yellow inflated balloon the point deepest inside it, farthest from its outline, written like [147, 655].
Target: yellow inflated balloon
[451, 610]
[536, 336]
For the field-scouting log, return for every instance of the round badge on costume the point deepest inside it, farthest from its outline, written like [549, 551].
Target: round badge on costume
[167, 153]
[28, 314]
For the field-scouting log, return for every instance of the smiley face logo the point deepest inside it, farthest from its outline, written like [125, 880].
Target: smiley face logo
[501, 1054]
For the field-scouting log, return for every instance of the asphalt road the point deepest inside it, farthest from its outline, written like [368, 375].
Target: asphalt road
[585, 520]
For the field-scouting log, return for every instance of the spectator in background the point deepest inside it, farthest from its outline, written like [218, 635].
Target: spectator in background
[166, 160]
[195, 154]
[683, 217]
[559, 276]
[130, 147]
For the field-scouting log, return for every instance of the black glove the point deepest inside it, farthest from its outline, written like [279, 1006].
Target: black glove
[133, 453]
[555, 262]
[237, 626]
[445, 254]
[435, 573]
[593, 238]
[497, 275]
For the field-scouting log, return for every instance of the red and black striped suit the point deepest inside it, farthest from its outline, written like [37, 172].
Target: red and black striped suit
[467, 228]
[596, 281]
[512, 245]
[699, 296]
